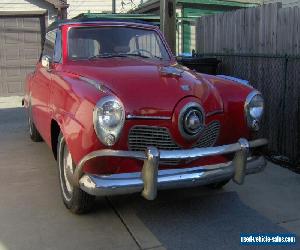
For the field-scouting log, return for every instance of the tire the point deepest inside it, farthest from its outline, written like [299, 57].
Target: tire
[218, 185]
[33, 132]
[75, 199]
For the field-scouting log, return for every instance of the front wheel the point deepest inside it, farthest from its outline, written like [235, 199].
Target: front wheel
[73, 197]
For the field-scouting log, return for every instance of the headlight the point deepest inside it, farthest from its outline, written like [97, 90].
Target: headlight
[254, 108]
[109, 117]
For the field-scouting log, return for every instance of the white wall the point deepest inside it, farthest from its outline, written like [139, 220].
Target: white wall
[29, 5]
[285, 3]
[77, 7]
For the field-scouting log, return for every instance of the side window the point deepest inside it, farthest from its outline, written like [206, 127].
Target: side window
[57, 48]
[48, 48]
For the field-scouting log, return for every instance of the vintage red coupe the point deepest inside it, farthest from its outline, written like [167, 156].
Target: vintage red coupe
[121, 116]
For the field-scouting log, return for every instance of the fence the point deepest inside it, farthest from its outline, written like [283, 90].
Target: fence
[269, 29]
[278, 79]
[250, 43]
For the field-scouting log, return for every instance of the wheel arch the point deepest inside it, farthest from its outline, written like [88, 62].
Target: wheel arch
[74, 133]
[55, 131]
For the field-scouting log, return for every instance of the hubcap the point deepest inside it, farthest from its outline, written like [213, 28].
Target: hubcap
[67, 174]
[29, 125]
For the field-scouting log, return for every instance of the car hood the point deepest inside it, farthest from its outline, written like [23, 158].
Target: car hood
[147, 87]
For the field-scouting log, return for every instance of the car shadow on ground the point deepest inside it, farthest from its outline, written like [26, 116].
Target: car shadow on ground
[198, 218]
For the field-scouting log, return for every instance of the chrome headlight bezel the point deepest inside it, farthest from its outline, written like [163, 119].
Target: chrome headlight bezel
[106, 134]
[253, 120]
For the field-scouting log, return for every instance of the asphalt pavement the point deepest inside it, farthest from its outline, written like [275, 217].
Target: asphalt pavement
[32, 215]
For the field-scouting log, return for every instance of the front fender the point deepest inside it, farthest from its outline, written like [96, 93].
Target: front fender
[72, 108]
[78, 131]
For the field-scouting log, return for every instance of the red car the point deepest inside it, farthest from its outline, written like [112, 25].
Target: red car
[121, 116]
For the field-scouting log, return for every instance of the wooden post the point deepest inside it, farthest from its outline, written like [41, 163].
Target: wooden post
[168, 22]
[61, 7]
[64, 12]
[113, 6]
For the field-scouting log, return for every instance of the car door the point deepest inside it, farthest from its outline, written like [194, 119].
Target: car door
[40, 90]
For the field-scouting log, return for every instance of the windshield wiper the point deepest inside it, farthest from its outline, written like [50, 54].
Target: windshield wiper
[105, 55]
[158, 57]
[138, 55]
[109, 55]
[143, 56]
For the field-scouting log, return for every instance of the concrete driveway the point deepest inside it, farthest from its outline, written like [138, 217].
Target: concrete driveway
[32, 215]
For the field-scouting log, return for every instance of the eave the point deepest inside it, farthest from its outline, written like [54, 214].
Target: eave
[59, 4]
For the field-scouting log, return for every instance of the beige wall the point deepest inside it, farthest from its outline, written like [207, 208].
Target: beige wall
[29, 5]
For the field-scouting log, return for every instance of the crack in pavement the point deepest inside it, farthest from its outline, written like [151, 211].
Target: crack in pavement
[154, 248]
[123, 222]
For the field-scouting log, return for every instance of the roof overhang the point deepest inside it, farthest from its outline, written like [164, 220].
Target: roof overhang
[154, 5]
[23, 13]
[59, 4]
[147, 7]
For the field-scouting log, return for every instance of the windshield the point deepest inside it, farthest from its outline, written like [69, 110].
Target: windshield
[104, 42]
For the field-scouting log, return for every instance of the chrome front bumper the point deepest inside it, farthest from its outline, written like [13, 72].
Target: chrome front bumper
[150, 178]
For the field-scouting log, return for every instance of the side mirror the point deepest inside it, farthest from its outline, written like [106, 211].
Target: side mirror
[46, 62]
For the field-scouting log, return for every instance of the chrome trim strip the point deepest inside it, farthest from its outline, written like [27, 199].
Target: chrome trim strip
[171, 71]
[214, 112]
[166, 179]
[131, 117]
[235, 79]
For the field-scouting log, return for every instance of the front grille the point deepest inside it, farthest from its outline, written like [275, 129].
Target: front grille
[209, 136]
[141, 137]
